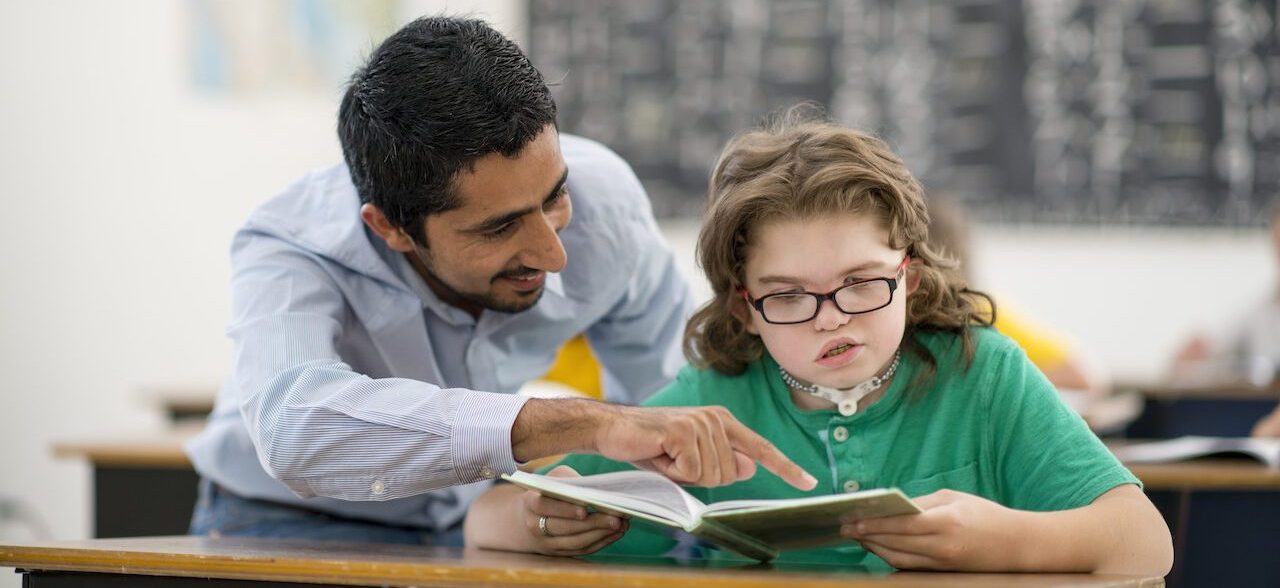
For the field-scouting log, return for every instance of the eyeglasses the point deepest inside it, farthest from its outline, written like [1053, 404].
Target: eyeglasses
[789, 308]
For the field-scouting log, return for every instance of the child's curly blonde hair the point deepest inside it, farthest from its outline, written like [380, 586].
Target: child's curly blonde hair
[798, 169]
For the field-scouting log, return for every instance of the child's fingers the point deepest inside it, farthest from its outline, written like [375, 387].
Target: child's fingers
[578, 544]
[935, 499]
[546, 506]
[903, 560]
[912, 524]
[924, 545]
[603, 543]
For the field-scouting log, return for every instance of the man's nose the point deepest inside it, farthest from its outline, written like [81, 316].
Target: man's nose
[543, 249]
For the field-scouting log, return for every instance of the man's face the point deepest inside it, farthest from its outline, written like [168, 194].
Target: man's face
[494, 251]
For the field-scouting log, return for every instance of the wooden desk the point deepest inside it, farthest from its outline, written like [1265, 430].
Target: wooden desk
[142, 485]
[181, 561]
[1224, 515]
[1169, 388]
[1208, 474]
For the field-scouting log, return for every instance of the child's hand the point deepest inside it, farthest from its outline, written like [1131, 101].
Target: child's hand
[567, 529]
[956, 531]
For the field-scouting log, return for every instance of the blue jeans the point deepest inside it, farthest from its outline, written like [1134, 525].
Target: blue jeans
[220, 513]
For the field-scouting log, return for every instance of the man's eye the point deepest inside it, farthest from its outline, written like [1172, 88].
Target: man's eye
[499, 232]
[557, 199]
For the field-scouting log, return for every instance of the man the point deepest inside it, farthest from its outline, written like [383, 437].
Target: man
[385, 311]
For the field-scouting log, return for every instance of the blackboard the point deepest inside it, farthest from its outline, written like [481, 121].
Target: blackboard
[1089, 111]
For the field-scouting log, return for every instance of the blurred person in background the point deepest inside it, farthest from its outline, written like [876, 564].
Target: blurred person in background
[1065, 366]
[1247, 348]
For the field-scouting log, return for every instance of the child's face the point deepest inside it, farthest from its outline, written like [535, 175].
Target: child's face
[821, 255]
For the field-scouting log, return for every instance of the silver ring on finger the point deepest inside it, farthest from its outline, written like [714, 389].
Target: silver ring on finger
[542, 526]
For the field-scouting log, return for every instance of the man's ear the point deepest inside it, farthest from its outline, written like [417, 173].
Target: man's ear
[395, 237]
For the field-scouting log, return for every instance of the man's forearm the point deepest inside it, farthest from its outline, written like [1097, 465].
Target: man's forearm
[551, 427]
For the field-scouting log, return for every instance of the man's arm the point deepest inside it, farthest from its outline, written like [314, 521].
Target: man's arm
[324, 429]
[701, 445]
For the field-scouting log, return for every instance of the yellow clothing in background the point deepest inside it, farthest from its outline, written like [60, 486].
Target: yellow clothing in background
[1044, 347]
[577, 368]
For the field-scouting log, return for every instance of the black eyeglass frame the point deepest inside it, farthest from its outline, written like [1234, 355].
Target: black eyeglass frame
[758, 303]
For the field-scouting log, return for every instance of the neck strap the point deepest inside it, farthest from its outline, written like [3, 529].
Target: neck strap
[845, 399]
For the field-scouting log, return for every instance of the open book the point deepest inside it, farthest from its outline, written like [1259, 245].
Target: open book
[1265, 450]
[755, 528]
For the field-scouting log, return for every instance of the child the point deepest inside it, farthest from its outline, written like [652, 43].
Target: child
[836, 332]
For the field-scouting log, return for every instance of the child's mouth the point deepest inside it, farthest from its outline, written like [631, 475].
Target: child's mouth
[838, 350]
[840, 355]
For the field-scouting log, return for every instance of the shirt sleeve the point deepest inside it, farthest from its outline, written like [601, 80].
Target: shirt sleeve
[638, 340]
[322, 428]
[1046, 457]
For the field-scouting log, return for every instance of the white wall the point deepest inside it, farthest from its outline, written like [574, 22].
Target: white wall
[121, 189]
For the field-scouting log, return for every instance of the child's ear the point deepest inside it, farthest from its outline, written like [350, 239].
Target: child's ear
[744, 316]
[914, 275]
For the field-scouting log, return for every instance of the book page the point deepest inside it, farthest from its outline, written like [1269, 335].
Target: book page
[1266, 449]
[807, 522]
[1189, 447]
[642, 491]
[792, 503]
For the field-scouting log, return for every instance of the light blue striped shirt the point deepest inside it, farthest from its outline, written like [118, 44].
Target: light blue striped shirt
[354, 390]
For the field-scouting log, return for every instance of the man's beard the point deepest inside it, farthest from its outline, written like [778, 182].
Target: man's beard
[486, 300]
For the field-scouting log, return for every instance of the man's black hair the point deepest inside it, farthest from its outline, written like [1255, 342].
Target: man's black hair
[433, 98]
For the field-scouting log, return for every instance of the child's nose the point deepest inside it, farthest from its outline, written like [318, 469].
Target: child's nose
[829, 317]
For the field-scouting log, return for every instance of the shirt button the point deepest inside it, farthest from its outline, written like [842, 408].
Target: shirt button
[378, 487]
[487, 472]
[840, 434]
[851, 486]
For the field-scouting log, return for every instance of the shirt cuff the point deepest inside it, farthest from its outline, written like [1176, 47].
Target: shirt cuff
[482, 435]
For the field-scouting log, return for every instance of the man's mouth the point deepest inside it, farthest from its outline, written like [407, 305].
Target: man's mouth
[526, 282]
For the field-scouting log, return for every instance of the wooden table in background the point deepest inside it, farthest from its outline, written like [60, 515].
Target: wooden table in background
[1208, 474]
[142, 485]
[254, 563]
